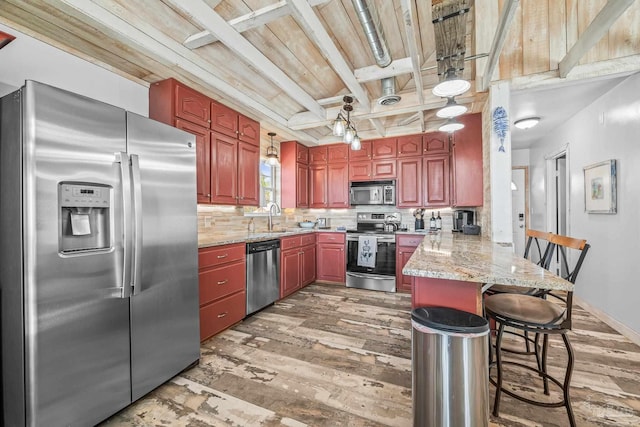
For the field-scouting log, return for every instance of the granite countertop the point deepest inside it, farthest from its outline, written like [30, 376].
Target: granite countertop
[219, 239]
[474, 259]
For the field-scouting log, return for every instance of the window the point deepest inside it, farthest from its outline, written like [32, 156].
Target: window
[267, 183]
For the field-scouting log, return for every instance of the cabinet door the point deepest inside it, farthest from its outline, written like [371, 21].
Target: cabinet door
[435, 173]
[318, 186]
[383, 169]
[364, 153]
[435, 143]
[467, 163]
[248, 164]
[302, 190]
[203, 158]
[224, 119]
[409, 188]
[302, 154]
[384, 148]
[289, 272]
[249, 130]
[337, 185]
[410, 146]
[331, 263]
[192, 106]
[359, 171]
[308, 268]
[318, 155]
[337, 153]
[403, 253]
[224, 177]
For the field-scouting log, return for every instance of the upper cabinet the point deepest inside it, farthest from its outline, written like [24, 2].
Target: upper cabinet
[328, 176]
[384, 149]
[435, 143]
[410, 146]
[227, 143]
[294, 158]
[467, 173]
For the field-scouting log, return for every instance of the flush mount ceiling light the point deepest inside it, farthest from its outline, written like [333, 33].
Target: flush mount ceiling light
[451, 109]
[527, 123]
[451, 125]
[272, 153]
[344, 127]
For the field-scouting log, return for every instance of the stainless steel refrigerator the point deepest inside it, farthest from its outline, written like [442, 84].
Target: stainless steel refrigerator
[98, 265]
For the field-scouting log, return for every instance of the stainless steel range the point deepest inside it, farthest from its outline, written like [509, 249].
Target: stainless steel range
[371, 251]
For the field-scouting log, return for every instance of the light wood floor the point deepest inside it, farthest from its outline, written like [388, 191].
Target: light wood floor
[332, 356]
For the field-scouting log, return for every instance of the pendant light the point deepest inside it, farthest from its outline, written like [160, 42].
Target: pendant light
[272, 153]
[451, 109]
[451, 125]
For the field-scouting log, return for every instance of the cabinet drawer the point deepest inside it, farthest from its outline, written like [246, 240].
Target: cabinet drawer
[221, 314]
[307, 239]
[222, 281]
[289, 242]
[331, 237]
[409, 240]
[210, 257]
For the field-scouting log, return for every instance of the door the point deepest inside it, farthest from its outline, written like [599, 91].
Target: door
[308, 267]
[557, 199]
[338, 185]
[519, 206]
[435, 173]
[248, 167]
[224, 174]
[317, 185]
[165, 336]
[409, 180]
[77, 347]
[290, 272]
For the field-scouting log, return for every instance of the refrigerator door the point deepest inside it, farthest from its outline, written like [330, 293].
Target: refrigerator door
[164, 306]
[76, 323]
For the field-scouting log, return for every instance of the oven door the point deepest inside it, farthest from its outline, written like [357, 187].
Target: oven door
[381, 277]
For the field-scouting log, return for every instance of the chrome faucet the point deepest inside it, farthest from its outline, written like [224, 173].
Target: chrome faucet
[272, 212]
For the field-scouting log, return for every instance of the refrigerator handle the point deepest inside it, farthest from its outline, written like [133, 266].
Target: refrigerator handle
[136, 184]
[125, 180]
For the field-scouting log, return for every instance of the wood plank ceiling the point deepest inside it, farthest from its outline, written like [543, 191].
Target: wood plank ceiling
[287, 63]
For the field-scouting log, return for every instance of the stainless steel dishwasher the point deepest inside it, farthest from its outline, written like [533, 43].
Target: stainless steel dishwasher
[263, 274]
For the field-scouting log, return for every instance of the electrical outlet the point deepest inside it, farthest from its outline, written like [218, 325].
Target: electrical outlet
[207, 221]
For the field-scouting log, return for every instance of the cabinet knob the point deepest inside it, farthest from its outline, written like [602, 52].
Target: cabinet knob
[208, 121]
[209, 195]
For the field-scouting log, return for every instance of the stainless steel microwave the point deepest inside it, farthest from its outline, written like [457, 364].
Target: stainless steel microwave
[373, 193]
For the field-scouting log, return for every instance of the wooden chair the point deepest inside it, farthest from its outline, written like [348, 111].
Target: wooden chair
[543, 317]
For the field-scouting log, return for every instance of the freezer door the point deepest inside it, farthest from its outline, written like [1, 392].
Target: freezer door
[76, 323]
[164, 307]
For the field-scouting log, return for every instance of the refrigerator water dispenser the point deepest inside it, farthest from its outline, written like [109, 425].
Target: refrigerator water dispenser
[84, 210]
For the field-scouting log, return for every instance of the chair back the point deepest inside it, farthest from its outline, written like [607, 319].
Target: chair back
[542, 239]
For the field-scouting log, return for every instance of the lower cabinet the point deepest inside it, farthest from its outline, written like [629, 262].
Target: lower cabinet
[331, 258]
[297, 262]
[406, 245]
[222, 281]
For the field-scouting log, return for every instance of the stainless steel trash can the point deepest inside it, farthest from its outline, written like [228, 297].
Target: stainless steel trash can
[450, 368]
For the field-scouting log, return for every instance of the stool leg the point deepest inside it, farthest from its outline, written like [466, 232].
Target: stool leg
[567, 379]
[545, 348]
[526, 341]
[496, 402]
[537, 351]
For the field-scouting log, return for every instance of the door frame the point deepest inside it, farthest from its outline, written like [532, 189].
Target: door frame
[527, 212]
[550, 187]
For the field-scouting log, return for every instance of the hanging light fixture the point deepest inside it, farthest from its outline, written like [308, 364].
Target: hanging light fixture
[451, 125]
[452, 85]
[344, 127]
[272, 153]
[451, 109]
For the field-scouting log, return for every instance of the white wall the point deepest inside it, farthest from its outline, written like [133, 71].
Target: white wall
[609, 128]
[520, 157]
[26, 58]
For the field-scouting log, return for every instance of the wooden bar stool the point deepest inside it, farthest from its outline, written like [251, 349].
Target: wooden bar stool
[543, 317]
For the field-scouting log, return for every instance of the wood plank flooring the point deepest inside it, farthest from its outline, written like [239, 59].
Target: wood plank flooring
[332, 356]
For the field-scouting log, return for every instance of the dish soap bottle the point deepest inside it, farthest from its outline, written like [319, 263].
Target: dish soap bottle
[432, 222]
[439, 221]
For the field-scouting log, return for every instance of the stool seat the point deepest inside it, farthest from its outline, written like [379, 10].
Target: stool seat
[525, 309]
[508, 289]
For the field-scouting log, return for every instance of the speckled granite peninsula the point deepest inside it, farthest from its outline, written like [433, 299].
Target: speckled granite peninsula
[451, 269]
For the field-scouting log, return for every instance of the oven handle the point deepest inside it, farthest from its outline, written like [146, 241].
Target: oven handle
[368, 275]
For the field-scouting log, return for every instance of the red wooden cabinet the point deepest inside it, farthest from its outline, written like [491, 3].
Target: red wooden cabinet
[203, 158]
[337, 185]
[383, 169]
[318, 155]
[406, 245]
[289, 272]
[249, 130]
[435, 143]
[337, 153]
[409, 184]
[318, 186]
[364, 153]
[297, 263]
[224, 161]
[410, 146]
[308, 269]
[331, 257]
[467, 173]
[248, 179]
[435, 175]
[224, 120]
[384, 148]
[302, 178]
[170, 100]
[222, 282]
[294, 175]
[360, 171]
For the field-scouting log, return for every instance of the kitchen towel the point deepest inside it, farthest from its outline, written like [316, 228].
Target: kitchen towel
[367, 247]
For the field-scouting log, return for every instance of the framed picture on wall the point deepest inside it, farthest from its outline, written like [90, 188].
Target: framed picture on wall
[600, 188]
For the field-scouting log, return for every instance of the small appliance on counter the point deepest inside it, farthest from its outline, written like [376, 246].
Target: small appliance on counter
[460, 219]
[323, 223]
[471, 229]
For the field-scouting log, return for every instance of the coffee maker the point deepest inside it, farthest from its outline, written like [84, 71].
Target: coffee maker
[460, 219]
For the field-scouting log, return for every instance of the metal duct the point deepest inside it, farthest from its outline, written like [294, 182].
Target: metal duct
[370, 22]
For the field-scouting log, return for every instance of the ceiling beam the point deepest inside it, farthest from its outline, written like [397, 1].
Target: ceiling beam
[200, 13]
[409, 15]
[155, 44]
[375, 72]
[486, 20]
[506, 17]
[251, 20]
[609, 14]
[377, 123]
[307, 18]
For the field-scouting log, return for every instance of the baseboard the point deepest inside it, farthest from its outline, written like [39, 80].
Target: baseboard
[621, 328]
